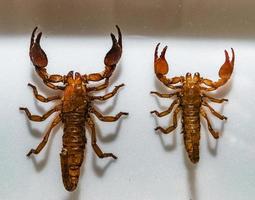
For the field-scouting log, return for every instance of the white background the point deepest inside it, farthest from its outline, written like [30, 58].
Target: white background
[150, 166]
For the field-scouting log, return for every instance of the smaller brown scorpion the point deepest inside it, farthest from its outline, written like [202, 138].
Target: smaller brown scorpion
[191, 96]
[75, 108]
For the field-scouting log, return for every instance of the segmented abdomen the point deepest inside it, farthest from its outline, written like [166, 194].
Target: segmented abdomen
[191, 130]
[72, 154]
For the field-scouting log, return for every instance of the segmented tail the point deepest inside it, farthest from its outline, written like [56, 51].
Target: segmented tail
[72, 154]
[191, 132]
[70, 166]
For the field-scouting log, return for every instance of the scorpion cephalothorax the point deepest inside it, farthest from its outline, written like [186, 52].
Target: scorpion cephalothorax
[191, 97]
[75, 107]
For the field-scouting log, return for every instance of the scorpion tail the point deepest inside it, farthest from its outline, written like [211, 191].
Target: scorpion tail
[70, 166]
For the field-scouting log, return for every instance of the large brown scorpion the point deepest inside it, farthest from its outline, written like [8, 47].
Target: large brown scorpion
[75, 107]
[191, 96]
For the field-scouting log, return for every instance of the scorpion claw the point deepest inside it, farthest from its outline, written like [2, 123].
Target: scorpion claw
[227, 68]
[156, 52]
[114, 40]
[119, 36]
[37, 55]
[160, 63]
[32, 37]
[113, 56]
[162, 55]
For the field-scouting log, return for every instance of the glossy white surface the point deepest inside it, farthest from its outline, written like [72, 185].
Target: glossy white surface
[149, 166]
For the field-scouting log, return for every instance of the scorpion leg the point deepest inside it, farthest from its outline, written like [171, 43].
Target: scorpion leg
[164, 95]
[96, 148]
[215, 113]
[214, 99]
[99, 87]
[170, 128]
[40, 97]
[38, 118]
[213, 132]
[166, 112]
[109, 95]
[108, 118]
[45, 138]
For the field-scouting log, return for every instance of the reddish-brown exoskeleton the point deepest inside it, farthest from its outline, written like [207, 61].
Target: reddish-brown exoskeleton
[190, 96]
[75, 107]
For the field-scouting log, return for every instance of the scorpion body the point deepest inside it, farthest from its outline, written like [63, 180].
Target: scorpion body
[191, 102]
[191, 98]
[75, 108]
[74, 139]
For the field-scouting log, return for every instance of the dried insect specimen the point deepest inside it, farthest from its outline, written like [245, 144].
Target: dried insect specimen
[74, 108]
[191, 97]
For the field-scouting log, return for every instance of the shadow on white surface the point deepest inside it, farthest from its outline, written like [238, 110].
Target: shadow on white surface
[166, 145]
[191, 176]
[110, 137]
[98, 169]
[74, 195]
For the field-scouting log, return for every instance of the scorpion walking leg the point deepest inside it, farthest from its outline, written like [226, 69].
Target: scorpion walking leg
[170, 128]
[164, 95]
[96, 148]
[214, 99]
[213, 132]
[40, 97]
[215, 113]
[38, 118]
[108, 118]
[99, 87]
[166, 112]
[45, 138]
[109, 95]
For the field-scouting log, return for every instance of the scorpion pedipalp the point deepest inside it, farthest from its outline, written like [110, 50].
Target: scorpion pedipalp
[110, 61]
[160, 63]
[113, 56]
[36, 53]
[227, 68]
